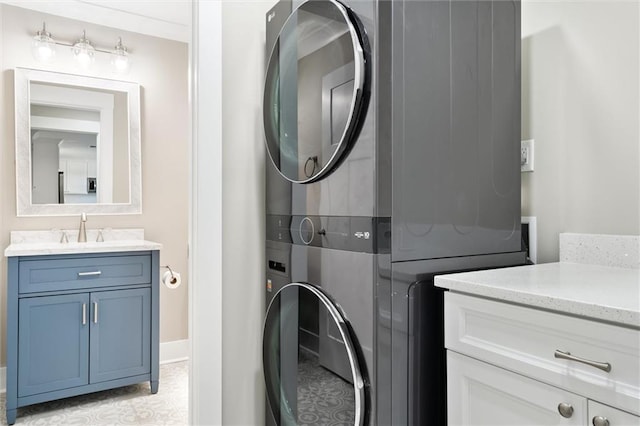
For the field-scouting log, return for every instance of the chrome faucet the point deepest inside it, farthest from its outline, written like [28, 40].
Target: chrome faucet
[82, 232]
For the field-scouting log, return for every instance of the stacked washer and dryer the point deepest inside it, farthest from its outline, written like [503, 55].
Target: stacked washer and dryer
[393, 134]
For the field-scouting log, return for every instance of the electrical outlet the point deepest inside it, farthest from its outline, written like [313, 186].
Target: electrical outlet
[526, 155]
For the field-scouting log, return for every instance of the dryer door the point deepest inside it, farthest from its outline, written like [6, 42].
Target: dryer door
[299, 389]
[316, 90]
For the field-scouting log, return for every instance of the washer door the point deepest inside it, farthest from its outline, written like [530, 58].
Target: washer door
[316, 90]
[301, 388]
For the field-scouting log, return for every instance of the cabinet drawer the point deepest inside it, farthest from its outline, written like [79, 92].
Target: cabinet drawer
[83, 272]
[525, 340]
[609, 415]
[482, 394]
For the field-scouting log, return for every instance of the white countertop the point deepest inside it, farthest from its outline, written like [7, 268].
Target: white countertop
[36, 243]
[600, 292]
[37, 249]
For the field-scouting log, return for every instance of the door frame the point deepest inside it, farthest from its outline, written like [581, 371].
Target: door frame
[205, 214]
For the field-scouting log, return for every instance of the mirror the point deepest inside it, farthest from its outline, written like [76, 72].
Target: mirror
[77, 144]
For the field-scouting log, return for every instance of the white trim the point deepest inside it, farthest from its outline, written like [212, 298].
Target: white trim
[205, 215]
[533, 236]
[175, 351]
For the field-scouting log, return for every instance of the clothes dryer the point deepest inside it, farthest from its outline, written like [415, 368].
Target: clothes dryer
[319, 343]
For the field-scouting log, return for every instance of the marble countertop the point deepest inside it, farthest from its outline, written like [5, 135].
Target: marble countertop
[37, 249]
[36, 243]
[593, 291]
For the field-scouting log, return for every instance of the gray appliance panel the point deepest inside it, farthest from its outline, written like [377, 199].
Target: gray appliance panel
[359, 234]
[416, 357]
[456, 121]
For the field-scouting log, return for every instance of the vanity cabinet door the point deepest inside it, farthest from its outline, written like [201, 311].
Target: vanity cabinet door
[482, 394]
[120, 334]
[53, 343]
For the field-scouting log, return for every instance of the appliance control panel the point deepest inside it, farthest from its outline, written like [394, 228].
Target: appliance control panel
[361, 234]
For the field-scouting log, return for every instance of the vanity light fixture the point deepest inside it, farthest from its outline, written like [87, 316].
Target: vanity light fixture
[43, 48]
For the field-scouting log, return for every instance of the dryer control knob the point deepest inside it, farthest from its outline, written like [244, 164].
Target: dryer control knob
[306, 230]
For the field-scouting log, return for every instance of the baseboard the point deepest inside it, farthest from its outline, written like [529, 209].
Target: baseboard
[175, 351]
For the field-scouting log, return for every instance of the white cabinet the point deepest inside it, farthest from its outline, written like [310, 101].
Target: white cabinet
[505, 366]
[482, 394]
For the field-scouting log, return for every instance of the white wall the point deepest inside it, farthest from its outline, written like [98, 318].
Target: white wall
[161, 68]
[580, 99]
[243, 38]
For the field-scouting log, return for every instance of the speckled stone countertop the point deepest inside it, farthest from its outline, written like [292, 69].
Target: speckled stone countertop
[593, 291]
[36, 243]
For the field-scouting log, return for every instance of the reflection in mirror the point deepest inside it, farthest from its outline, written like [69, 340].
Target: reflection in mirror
[316, 90]
[77, 144]
[311, 367]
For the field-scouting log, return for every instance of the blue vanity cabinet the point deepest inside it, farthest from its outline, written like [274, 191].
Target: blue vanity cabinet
[80, 323]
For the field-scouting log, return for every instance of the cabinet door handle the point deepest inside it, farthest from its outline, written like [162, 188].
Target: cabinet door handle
[604, 366]
[95, 312]
[90, 274]
[84, 314]
[565, 410]
[600, 421]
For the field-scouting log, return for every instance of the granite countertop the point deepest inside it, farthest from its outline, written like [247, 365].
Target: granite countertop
[593, 291]
[37, 243]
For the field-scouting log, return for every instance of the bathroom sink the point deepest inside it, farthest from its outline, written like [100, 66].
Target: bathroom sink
[35, 243]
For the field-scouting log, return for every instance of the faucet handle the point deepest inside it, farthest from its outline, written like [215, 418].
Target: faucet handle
[64, 238]
[100, 237]
[83, 217]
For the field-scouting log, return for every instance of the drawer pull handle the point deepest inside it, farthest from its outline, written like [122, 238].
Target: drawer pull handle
[565, 410]
[600, 421]
[84, 314]
[604, 366]
[90, 274]
[95, 312]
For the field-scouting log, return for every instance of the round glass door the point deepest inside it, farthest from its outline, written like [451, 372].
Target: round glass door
[316, 90]
[311, 365]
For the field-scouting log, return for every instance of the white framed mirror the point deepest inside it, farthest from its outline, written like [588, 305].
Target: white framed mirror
[77, 145]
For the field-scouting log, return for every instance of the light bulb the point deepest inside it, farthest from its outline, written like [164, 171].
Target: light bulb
[120, 58]
[84, 51]
[43, 46]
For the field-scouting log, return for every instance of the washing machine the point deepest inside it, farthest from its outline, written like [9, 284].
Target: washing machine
[319, 340]
[392, 131]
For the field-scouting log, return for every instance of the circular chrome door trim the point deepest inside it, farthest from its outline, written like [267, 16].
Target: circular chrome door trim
[338, 318]
[359, 98]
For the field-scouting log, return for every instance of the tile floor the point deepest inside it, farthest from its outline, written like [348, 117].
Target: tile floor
[129, 405]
